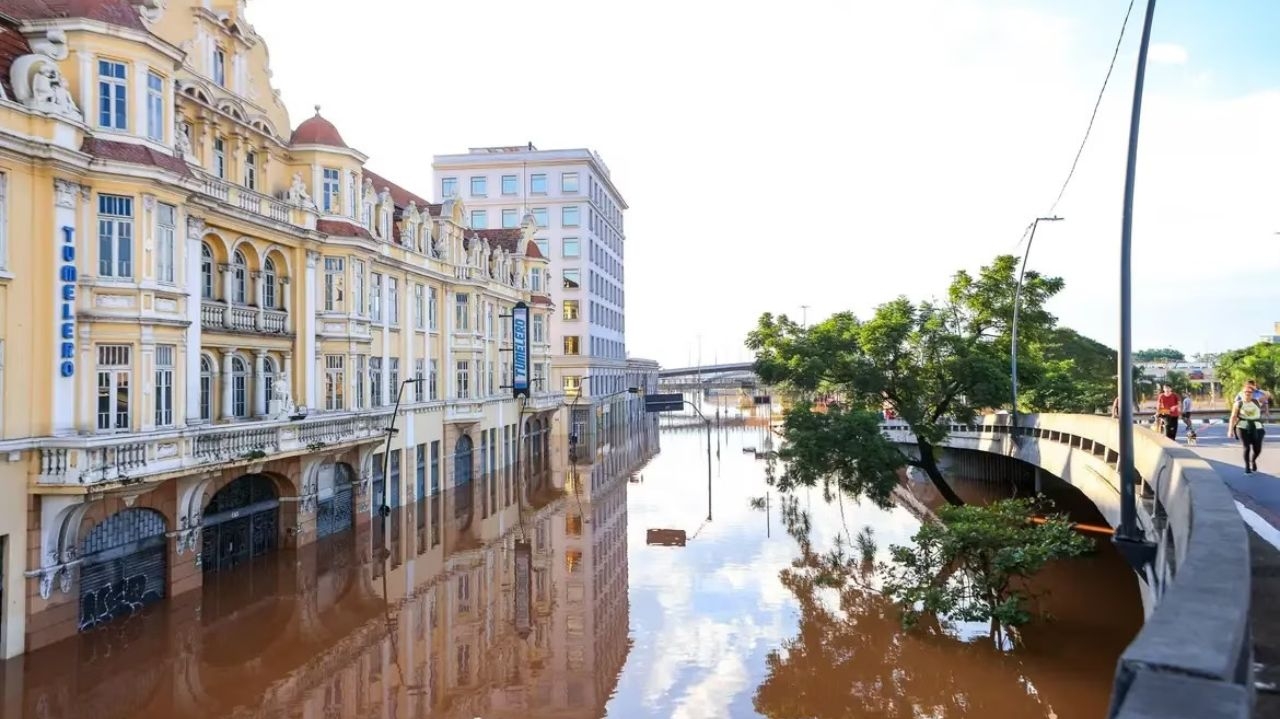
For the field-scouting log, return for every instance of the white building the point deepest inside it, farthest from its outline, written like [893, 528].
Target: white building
[579, 216]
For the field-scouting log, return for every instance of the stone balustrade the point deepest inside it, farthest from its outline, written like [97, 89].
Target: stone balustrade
[541, 402]
[1193, 655]
[220, 316]
[257, 203]
[95, 460]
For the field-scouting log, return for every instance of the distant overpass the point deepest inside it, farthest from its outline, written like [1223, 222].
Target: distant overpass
[710, 369]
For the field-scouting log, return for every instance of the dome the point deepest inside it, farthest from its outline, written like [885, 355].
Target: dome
[316, 130]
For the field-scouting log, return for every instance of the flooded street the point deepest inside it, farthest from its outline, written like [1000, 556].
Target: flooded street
[420, 621]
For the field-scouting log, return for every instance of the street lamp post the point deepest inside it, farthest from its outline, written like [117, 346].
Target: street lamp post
[1129, 539]
[707, 422]
[1017, 305]
[385, 510]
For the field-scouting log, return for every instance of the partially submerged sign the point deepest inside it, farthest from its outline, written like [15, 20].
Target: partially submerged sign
[663, 402]
[666, 537]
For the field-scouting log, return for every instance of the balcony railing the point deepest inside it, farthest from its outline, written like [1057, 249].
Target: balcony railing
[95, 460]
[216, 315]
[255, 202]
[544, 401]
[463, 410]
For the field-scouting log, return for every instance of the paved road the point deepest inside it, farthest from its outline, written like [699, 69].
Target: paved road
[1258, 498]
[1259, 492]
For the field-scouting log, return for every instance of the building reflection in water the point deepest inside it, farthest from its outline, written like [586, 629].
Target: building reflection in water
[413, 617]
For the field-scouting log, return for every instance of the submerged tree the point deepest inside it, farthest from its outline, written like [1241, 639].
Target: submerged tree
[927, 361]
[852, 657]
[974, 564]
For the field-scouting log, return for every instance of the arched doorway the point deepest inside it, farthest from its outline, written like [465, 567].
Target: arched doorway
[124, 567]
[242, 521]
[334, 507]
[462, 476]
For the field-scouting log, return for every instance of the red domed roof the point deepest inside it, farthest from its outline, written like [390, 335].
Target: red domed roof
[316, 130]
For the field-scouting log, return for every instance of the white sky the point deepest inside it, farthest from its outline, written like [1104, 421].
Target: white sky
[831, 154]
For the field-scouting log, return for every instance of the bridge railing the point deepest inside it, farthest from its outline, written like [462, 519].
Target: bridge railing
[1193, 655]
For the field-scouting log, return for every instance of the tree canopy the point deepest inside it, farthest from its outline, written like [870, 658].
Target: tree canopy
[1261, 362]
[1161, 354]
[928, 361]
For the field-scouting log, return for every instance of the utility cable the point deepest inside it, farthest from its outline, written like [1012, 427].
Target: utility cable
[1115, 53]
[1093, 116]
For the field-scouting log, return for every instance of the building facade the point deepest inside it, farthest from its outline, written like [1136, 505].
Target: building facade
[577, 214]
[425, 628]
[209, 315]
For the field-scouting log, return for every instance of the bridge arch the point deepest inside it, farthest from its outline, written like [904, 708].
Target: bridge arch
[1198, 584]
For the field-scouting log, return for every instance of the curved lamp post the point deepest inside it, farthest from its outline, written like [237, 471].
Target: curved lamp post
[1017, 305]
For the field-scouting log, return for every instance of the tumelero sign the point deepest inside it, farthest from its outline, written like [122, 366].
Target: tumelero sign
[67, 304]
[520, 350]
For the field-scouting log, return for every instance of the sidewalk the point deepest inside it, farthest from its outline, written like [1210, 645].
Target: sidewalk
[1258, 498]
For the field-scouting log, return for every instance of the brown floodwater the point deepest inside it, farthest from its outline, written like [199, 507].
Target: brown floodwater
[731, 624]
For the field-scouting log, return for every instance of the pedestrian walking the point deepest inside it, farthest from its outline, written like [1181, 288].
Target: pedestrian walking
[1168, 407]
[1247, 424]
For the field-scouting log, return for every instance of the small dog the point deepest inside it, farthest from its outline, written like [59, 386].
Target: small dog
[1191, 436]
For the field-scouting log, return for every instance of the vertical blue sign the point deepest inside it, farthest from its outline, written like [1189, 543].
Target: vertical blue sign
[67, 307]
[520, 350]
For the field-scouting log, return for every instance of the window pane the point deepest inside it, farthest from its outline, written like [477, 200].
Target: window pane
[510, 218]
[478, 186]
[538, 183]
[479, 219]
[509, 185]
[569, 182]
[571, 247]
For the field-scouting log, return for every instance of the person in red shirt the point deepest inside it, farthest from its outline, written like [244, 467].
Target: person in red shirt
[1168, 408]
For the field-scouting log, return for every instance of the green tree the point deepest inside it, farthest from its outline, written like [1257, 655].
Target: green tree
[1260, 362]
[975, 564]
[928, 361]
[1162, 354]
[1179, 381]
[1070, 373]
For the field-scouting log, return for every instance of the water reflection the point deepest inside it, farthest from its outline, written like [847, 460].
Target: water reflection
[413, 617]
[416, 618]
[737, 622]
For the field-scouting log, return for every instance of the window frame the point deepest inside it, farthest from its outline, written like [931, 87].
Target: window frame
[536, 179]
[113, 95]
[115, 235]
[514, 181]
[155, 106]
[564, 183]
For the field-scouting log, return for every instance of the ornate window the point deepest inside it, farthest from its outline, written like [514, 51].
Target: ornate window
[239, 387]
[206, 387]
[269, 279]
[239, 279]
[206, 271]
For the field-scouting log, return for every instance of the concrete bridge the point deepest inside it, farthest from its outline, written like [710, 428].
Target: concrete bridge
[1193, 656]
[718, 376]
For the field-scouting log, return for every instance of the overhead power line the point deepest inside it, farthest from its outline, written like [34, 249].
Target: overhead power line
[1093, 116]
[1115, 53]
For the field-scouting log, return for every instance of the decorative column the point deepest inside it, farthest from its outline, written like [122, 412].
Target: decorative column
[287, 370]
[227, 276]
[260, 383]
[228, 382]
[286, 301]
[258, 298]
[308, 336]
[192, 279]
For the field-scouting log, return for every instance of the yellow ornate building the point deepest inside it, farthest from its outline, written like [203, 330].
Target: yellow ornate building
[208, 318]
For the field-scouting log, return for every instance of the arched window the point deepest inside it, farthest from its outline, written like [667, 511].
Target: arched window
[206, 387]
[269, 285]
[240, 268]
[239, 387]
[206, 271]
[268, 377]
